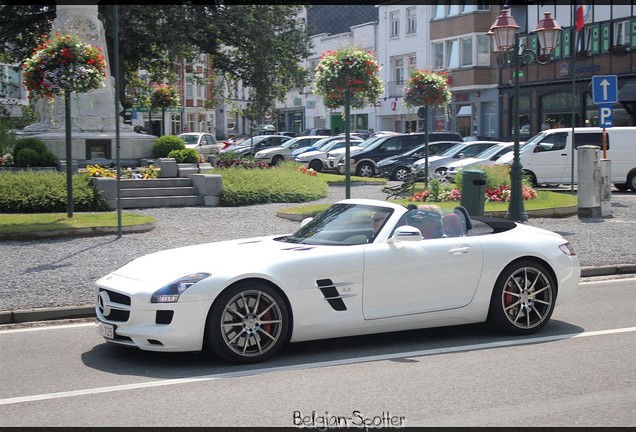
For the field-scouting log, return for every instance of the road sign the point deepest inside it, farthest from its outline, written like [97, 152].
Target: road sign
[605, 116]
[605, 89]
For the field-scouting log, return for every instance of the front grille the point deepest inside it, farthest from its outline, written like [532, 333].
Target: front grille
[113, 306]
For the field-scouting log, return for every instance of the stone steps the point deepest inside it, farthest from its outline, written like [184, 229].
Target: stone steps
[162, 192]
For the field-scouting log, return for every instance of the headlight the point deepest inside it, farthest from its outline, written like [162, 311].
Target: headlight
[258, 154]
[171, 292]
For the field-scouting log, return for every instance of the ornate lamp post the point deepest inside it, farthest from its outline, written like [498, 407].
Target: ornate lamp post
[509, 52]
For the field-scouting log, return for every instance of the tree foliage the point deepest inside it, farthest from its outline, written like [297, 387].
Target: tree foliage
[261, 46]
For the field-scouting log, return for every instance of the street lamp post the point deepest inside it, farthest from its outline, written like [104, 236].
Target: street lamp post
[510, 53]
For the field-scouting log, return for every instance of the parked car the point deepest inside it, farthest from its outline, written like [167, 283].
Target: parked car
[318, 145]
[337, 276]
[275, 155]
[438, 164]
[487, 157]
[479, 138]
[317, 131]
[547, 157]
[315, 159]
[204, 143]
[289, 134]
[363, 163]
[334, 157]
[398, 167]
[252, 145]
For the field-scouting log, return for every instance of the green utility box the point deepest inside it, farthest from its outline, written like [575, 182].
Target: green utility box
[474, 191]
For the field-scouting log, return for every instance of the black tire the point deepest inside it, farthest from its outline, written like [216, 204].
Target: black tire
[365, 169]
[250, 308]
[523, 298]
[631, 181]
[316, 165]
[622, 187]
[533, 178]
[401, 173]
[277, 159]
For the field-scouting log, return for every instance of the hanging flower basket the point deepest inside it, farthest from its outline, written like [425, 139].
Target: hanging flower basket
[64, 64]
[348, 68]
[425, 88]
[164, 96]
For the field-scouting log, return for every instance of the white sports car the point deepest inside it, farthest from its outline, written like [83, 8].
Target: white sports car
[359, 267]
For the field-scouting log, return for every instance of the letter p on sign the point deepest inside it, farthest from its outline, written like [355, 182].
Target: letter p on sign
[605, 116]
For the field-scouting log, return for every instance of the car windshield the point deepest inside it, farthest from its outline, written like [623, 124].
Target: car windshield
[489, 152]
[250, 141]
[333, 145]
[342, 225]
[453, 150]
[189, 139]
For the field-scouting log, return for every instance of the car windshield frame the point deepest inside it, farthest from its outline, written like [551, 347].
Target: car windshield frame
[342, 224]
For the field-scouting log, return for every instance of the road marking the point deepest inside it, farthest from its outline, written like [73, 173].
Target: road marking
[342, 362]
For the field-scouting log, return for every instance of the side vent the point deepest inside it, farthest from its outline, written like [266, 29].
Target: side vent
[331, 294]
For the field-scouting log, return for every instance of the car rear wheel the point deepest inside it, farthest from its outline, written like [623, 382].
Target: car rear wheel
[401, 173]
[523, 299]
[248, 323]
[365, 169]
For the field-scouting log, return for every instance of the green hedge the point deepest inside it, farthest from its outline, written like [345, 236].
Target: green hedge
[268, 185]
[45, 192]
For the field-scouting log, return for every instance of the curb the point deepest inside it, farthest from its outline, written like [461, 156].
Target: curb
[77, 232]
[88, 311]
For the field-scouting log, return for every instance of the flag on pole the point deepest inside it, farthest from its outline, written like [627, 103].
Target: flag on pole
[580, 17]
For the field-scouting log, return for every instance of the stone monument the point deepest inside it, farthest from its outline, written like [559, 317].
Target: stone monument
[93, 120]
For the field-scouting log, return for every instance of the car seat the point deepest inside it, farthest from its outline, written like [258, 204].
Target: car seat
[452, 225]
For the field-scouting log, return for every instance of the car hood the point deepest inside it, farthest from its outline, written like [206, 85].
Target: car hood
[174, 263]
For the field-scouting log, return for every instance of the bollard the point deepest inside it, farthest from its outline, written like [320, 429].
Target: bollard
[474, 191]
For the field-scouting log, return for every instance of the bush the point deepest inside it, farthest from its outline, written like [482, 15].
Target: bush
[279, 184]
[45, 192]
[165, 144]
[187, 155]
[43, 156]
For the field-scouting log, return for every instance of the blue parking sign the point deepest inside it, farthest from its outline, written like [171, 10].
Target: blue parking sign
[605, 89]
[605, 115]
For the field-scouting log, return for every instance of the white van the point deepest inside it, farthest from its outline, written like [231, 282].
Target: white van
[547, 157]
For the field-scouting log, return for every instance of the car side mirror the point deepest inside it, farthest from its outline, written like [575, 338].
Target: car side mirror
[406, 233]
[306, 221]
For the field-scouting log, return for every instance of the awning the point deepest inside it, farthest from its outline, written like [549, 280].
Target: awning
[464, 111]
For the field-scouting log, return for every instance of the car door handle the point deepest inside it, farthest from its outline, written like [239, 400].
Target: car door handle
[460, 250]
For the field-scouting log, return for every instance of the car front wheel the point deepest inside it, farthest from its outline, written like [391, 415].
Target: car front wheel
[523, 298]
[277, 159]
[401, 174]
[316, 165]
[248, 323]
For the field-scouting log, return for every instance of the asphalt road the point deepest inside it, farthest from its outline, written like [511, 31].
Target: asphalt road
[577, 371]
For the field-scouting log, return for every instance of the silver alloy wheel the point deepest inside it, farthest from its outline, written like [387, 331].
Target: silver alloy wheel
[365, 170]
[251, 323]
[401, 174]
[527, 298]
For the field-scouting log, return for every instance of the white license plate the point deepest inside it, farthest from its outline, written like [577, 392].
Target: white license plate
[106, 330]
